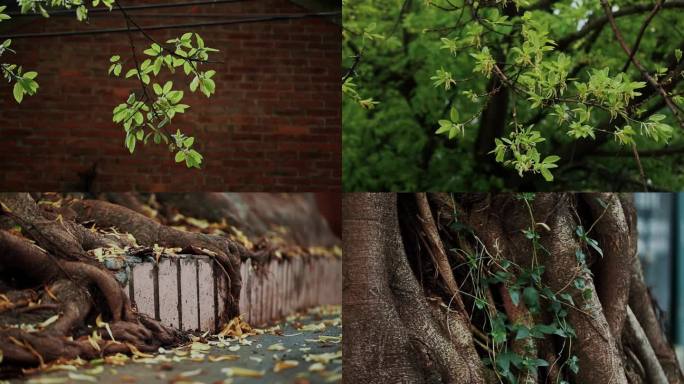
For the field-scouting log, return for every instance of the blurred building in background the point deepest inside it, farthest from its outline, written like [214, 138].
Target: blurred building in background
[661, 249]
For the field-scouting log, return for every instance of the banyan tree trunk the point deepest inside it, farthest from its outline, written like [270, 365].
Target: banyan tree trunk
[490, 288]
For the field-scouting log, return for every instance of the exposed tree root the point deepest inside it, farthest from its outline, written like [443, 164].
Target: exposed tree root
[149, 232]
[56, 284]
[546, 283]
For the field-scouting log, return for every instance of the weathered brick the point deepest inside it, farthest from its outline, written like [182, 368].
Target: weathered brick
[168, 293]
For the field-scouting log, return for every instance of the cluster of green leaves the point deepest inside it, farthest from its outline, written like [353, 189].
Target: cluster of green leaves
[185, 152]
[543, 80]
[24, 82]
[366, 35]
[519, 150]
[570, 91]
[451, 127]
[349, 90]
[146, 115]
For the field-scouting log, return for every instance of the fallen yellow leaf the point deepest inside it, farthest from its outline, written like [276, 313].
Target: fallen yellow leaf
[80, 377]
[136, 352]
[242, 372]
[49, 321]
[276, 347]
[223, 358]
[285, 364]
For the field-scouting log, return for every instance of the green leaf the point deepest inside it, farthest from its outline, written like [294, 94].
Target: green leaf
[551, 159]
[157, 89]
[523, 332]
[187, 67]
[174, 96]
[130, 142]
[444, 127]
[678, 54]
[531, 298]
[81, 13]
[453, 131]
[546, 173]
[194, 83]
[515, 295]
[573, 364]
[167, 86]
[18, 92]
[156, 67]
[180, 156]
[114, 58]
[454, 114]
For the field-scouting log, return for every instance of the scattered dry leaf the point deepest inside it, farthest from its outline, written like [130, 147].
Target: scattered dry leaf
[194, 372]
[236, 328]
[197, 346]
[47, 380]
[276, 347]
[214, 359]
[324, 358]
[242, 372]
[285, 364]
[136, 352]
[81, 377]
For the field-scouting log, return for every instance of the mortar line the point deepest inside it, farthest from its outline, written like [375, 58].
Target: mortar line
[155, 277]
[180, 298]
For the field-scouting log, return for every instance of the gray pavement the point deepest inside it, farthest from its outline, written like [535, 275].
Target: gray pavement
[304, 349]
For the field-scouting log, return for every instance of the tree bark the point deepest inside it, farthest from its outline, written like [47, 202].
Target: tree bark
[541, 301]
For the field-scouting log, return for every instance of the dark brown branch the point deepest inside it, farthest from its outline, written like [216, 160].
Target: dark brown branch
[637, 42]
[644, 72]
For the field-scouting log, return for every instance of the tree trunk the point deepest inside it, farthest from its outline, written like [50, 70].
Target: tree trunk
[474, 288]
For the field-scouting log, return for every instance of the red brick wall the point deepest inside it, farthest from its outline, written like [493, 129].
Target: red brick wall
[273, 123]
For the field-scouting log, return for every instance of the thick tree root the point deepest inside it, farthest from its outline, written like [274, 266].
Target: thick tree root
[148, 232]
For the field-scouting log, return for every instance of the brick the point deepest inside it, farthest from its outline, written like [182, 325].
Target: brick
[168, 293]
[245, 299]
[205, 290]
[143, 288]
[188, 294]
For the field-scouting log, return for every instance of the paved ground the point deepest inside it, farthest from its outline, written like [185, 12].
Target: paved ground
[311, 341]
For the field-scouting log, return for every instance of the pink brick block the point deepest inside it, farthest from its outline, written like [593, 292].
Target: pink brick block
[221, 287]
[245, 297]
[143, 288]
[253, 297]
[188, 284]
[272, 284]
[280, 283]
[206, 294]
[168, 293]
